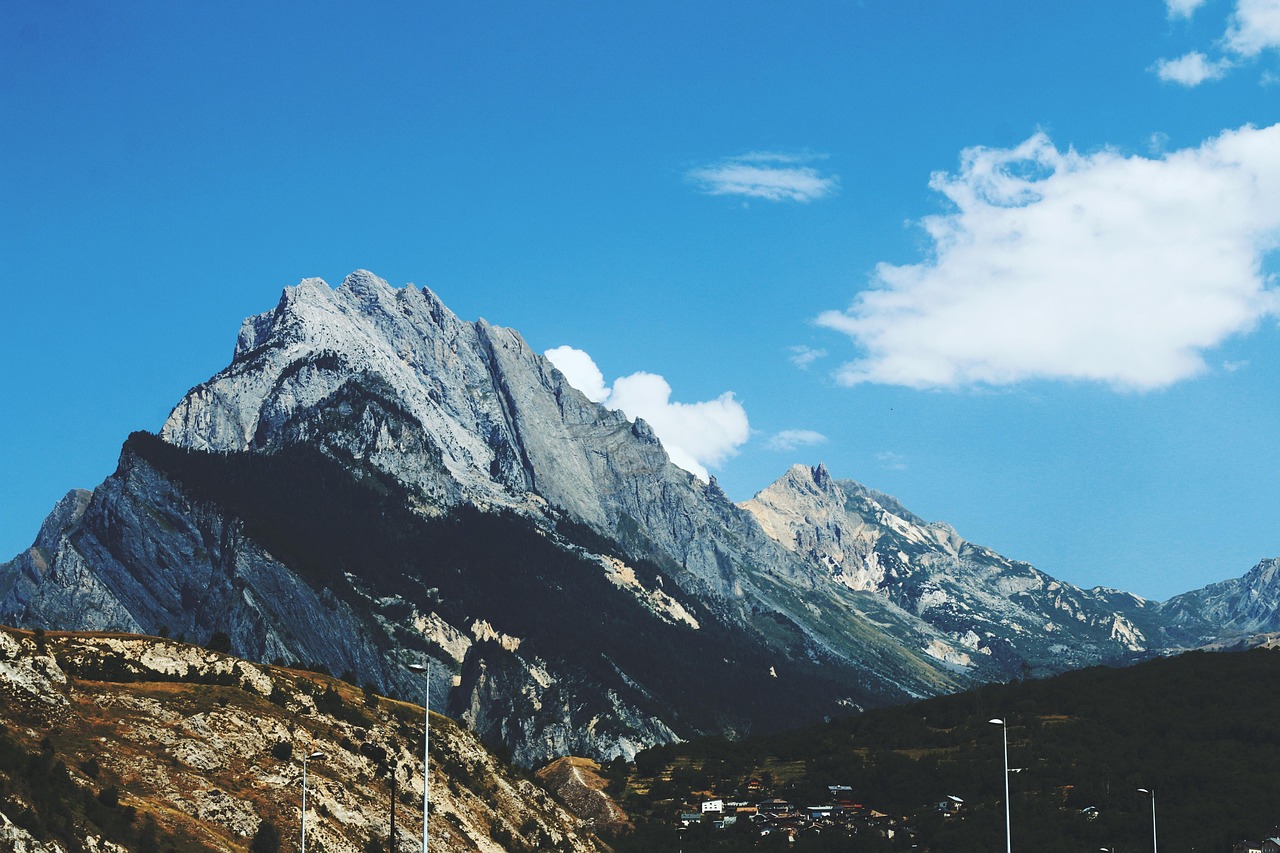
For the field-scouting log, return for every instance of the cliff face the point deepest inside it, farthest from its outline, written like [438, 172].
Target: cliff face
[458, 412]
[202, 748]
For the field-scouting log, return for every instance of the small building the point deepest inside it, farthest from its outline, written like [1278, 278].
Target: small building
[775, 806]
[713, 807]
[690, 818]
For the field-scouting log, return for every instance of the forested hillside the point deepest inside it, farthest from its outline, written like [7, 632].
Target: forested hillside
[1201, 729]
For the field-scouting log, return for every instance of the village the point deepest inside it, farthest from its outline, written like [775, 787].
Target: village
[768, 814]
[754, 805]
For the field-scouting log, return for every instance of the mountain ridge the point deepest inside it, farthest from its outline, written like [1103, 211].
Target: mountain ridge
[392, 422]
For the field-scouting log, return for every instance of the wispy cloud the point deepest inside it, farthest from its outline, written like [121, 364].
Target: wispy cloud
[1183, 8]
[790, 439]
[1192, 69]
[891, 461]
[803, 356]
[695, 435]
[765, 175]
[1101, 267]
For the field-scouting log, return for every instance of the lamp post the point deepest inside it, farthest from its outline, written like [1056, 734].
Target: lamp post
[426, 742]
[314, 756]
[1008, 836]
[1150, 792]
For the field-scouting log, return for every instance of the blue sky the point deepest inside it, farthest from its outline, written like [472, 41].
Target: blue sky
[1010, 262]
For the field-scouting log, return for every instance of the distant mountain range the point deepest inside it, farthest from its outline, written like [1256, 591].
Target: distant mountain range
[373, 481]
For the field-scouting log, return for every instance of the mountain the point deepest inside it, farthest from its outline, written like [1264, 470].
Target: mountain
[115, 742]
[373, 481]
[1236, 607]
[987, 605]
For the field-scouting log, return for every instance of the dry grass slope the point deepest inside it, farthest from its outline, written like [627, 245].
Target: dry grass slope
[209, 747]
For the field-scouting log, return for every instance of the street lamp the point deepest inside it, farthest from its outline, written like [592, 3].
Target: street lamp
[1008, 836]
[426, 741]
[314, 756]
[1152, 794]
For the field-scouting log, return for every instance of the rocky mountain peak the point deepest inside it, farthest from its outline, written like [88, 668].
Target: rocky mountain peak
[65, 515]
[822, 477]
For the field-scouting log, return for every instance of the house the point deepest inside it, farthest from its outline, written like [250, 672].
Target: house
[690, 818]
[1247, 847]
[713, 807]
[775, 806]
[1271, 845]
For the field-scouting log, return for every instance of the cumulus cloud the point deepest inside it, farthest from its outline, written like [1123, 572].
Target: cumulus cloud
[695, 435]
[765, 175]
[790, 439]
[1058, 265]
[803, 356]
[1192, 69]
[1253, 27]
[581, 371]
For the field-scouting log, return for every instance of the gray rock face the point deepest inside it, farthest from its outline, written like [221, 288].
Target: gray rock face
[1236, 607]
[459, 412]
[812, 576]
[984, 605]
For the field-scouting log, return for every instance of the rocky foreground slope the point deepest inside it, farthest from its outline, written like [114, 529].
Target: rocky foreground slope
[373, 480]
[117, 742]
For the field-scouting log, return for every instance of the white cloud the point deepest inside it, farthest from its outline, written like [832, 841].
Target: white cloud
[1254, 27]
[803, 356]
[1192, 69]
[695, 435]
[891, 461]
[790, 439]
[766, 175]
[581, 371]
[1183, 8]
[1057, 265]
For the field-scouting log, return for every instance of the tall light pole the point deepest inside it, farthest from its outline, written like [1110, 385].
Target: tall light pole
[1008, 836]
[314, 756]
[426, 743]
[1152, 794]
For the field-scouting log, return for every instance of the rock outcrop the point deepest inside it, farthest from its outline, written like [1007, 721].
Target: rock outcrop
[204, 748]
